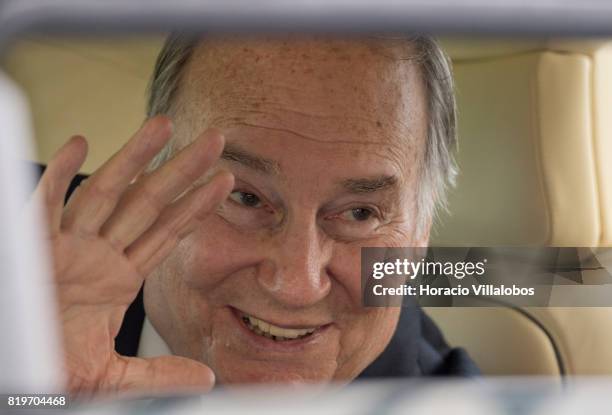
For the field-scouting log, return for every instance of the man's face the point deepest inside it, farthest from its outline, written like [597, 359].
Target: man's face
[325, 140]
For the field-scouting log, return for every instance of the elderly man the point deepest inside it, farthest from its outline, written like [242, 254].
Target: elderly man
[271, 163]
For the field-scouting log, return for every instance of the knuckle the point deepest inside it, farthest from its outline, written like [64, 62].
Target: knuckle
[150, 196]
[170, 228]
[173, 234]
[187, 175]
[98, 190]
[117, 244]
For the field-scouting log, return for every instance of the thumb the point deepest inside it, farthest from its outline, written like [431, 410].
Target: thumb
[166, 374]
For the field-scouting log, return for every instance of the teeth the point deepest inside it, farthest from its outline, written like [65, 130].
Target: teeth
[266, 329]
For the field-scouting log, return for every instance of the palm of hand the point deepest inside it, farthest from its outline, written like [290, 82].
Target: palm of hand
[114, 231]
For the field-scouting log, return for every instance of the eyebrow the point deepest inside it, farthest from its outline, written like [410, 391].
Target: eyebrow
[234, 153]
[231, 152]
[369, 185]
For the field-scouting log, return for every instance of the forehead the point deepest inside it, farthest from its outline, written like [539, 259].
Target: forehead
[329, 90]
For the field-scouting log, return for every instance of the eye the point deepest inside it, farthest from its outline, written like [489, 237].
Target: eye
[354, 223]
[358, 214]
[361, 214]
[246, 199]
[248, 209]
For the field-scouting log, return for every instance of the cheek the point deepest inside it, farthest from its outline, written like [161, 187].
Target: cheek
[215, 251]
[365, 338]
[377, 327]
[345, 264]
[345, 269]
[183, 295]
[367, 331]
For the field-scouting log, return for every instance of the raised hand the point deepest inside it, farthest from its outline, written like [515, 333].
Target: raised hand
[112, 233]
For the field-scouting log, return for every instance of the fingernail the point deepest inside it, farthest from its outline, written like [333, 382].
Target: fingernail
[229, 176]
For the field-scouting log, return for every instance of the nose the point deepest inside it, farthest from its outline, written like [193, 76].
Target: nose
[295, 270]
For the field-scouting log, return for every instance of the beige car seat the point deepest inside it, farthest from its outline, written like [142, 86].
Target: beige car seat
[536, 170]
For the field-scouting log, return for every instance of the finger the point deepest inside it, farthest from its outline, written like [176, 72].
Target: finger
[165, 374]
[178, 221]
[55, 181]
[97, 196]
[142, 205]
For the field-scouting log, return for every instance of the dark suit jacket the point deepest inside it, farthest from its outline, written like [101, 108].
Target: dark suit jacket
[416, 349]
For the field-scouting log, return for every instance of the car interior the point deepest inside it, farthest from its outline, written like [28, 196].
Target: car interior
[533, 115]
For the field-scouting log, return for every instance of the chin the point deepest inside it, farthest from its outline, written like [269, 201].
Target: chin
[274, 373]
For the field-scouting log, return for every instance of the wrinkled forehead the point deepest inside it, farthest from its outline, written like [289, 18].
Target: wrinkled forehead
[326, 88]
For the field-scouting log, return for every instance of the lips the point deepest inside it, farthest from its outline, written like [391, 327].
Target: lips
[276, 333]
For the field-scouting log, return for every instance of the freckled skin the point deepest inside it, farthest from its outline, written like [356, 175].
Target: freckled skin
[324, 110]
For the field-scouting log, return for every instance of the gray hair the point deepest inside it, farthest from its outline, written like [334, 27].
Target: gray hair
[439, 169]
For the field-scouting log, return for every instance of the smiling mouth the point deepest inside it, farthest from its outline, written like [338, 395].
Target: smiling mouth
[276, 333]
